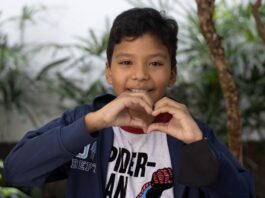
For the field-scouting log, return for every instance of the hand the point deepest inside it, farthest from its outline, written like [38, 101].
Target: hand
[162, 179]
[181, 126]
[128, 109]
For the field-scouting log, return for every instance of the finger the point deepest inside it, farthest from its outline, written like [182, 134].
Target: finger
[143, 96]
[162, 127]
[167, 101]
[163, 101]
[157, 127]
[155, 178]
[173, 110]
[135, 97]
[132, 102]
[169, 175]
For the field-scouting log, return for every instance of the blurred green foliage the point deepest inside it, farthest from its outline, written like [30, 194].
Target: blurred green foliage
[22, 85]
[8, 192]
[88, 80]
[246, 56]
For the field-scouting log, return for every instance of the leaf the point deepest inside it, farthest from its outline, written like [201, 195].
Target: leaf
[50, 66]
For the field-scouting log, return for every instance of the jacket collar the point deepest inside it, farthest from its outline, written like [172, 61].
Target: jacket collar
[174, 147]
[105, 142]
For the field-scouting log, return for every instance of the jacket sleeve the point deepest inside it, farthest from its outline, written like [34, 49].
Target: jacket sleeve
[44, 155]
[208, 160]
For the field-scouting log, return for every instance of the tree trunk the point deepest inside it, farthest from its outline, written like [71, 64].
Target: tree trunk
[231, 98]
[259, 25]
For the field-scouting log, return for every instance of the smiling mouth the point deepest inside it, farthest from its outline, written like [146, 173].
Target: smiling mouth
[139, 90]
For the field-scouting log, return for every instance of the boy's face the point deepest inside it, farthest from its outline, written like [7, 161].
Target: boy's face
[141, 65]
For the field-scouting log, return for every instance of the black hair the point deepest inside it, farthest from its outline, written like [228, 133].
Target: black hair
[137, 21]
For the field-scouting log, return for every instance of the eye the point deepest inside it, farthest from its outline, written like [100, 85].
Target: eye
[125, 62]
[156, 63]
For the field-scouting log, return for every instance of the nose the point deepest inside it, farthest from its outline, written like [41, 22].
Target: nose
[141, 72]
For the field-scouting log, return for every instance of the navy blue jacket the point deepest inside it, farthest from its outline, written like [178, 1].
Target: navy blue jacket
[63, 148]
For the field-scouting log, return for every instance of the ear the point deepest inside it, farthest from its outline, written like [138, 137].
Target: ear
[173, 76]
[108, 73]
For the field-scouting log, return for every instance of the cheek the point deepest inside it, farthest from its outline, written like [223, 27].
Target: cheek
[162, 81]
[120, 77]
[118, 83]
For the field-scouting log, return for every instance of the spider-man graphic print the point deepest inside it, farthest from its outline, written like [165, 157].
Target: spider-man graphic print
[161, 180]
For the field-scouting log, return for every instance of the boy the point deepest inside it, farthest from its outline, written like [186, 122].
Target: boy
[138, 144]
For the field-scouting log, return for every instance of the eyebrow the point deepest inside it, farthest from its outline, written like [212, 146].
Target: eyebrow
[159, 54]
[124, 54]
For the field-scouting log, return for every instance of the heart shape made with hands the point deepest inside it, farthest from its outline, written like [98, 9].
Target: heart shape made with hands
[161, 118]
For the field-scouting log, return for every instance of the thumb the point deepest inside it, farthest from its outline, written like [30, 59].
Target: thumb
[157, 127]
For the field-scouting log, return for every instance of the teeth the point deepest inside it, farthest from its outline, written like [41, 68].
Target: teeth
[138, 90]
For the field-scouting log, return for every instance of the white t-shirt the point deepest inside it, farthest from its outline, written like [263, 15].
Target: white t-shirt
[139, 165]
